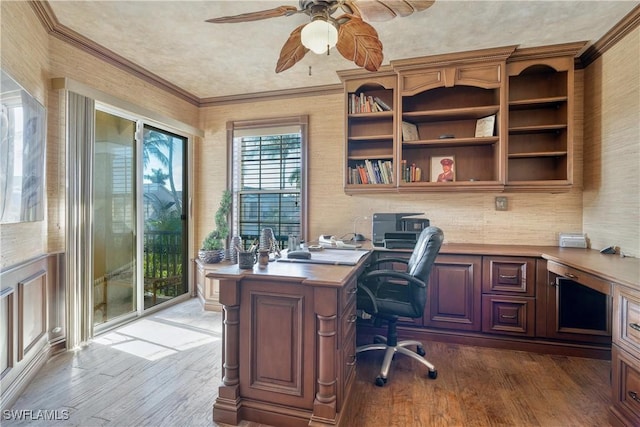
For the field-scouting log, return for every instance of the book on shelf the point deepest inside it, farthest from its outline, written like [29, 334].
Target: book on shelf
[382, 104]
[361, 103]
[485, 126]
[371, 172]
[411, 173]
[409, 131]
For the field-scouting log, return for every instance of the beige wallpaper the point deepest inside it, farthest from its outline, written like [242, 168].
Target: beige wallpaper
[21, 29]
[468, 217]
[612, 148]
[610, 205]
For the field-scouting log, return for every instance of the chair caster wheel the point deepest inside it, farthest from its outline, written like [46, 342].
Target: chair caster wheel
[421, 351]
[433, 374]
[381, 381]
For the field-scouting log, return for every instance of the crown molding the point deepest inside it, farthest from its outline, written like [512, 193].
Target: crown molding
[53, 26]
[627, 24]
[272, 95]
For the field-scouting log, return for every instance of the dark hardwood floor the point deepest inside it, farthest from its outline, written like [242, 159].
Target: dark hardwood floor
[164, 370]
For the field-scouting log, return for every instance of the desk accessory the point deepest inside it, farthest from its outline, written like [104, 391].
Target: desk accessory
[572, 240]
[246, 260]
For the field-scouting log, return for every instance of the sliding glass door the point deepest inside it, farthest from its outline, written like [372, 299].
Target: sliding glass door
[165, 232]
[114, 218]
[132, 275]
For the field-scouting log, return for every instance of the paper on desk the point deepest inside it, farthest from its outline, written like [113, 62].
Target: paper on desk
[329, 256]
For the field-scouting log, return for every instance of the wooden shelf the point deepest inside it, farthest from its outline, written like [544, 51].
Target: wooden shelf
[451, 142]
[537, 129]
[371, 116]
[364, 157]
[370, 138]
[451, 113]
[451, 186]
[525, 104]
[537, 154]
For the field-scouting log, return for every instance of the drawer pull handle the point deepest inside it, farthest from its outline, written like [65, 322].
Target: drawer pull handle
[634, 396]
[352, 360]
[352, 290]
[352, 318]
[634, 326]
[504, 276]
[571, 276]
[504, 316]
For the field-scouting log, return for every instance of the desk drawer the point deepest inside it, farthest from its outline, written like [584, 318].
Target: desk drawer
[626, 385]
[626, 315]
[509, 275]
[581, 277]
[348, 294]
[508, 315]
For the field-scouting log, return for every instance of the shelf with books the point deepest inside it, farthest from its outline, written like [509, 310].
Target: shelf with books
[475, 168]
[370, 130]
[504, 116]
[457, 126]
[370, 172]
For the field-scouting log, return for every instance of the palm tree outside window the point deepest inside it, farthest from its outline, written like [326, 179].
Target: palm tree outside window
[269, 177]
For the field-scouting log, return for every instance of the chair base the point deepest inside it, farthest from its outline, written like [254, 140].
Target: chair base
[390, 351]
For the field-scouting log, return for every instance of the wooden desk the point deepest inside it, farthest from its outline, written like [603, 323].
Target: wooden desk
[288, 343]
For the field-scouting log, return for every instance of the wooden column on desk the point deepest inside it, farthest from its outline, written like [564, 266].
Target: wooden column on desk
[325, 308]
[227, 406]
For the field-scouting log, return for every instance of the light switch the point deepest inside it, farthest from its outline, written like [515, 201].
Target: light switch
[501, 204]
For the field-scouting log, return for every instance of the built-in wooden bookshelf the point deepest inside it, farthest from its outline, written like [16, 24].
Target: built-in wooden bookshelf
[433, 108]
[540, 121]
[444, 96]
[371, 131]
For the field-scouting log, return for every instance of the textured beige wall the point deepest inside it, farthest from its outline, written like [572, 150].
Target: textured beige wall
[33, 57]
[25, 58]
[612, 148]
[465, 217]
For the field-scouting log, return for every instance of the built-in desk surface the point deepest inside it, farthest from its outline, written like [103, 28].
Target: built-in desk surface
[622, 270]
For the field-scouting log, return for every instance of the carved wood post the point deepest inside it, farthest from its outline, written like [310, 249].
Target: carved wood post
[227, 405]
[325, 304]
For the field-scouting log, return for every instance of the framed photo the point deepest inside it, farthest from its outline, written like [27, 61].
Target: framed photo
[443, 168]
[485, 126]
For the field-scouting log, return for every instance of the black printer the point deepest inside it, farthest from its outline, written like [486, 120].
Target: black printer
[397, 230]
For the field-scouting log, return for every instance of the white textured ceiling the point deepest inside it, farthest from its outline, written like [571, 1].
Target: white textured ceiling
[172, 40]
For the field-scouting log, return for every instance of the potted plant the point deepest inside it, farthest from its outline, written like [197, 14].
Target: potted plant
[222, 220]
[212, 249]
[213, 246]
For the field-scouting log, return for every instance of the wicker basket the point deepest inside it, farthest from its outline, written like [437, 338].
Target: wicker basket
[211, 257]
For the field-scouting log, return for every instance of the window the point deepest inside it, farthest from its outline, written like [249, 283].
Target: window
[269, 178]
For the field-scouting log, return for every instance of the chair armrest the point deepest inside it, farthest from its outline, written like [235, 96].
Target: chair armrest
[382, 274]
[366, 291]
[386, 260]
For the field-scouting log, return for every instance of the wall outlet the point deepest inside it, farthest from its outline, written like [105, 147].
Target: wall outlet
[501, 204]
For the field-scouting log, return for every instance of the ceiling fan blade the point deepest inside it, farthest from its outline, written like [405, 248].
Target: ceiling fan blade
[292, 51]
[384, 10]
[359, 42]
[255, 16]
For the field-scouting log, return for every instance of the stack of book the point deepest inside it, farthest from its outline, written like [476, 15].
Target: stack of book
[411, 173]
[361, 103]
[372, 172]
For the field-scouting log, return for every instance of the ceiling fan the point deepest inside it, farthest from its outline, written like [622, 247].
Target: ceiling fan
[352, 36]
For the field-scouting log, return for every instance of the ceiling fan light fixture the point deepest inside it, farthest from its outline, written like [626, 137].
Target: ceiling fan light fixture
[319, 35]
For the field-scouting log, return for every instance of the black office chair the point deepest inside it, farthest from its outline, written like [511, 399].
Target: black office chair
[389, 294]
